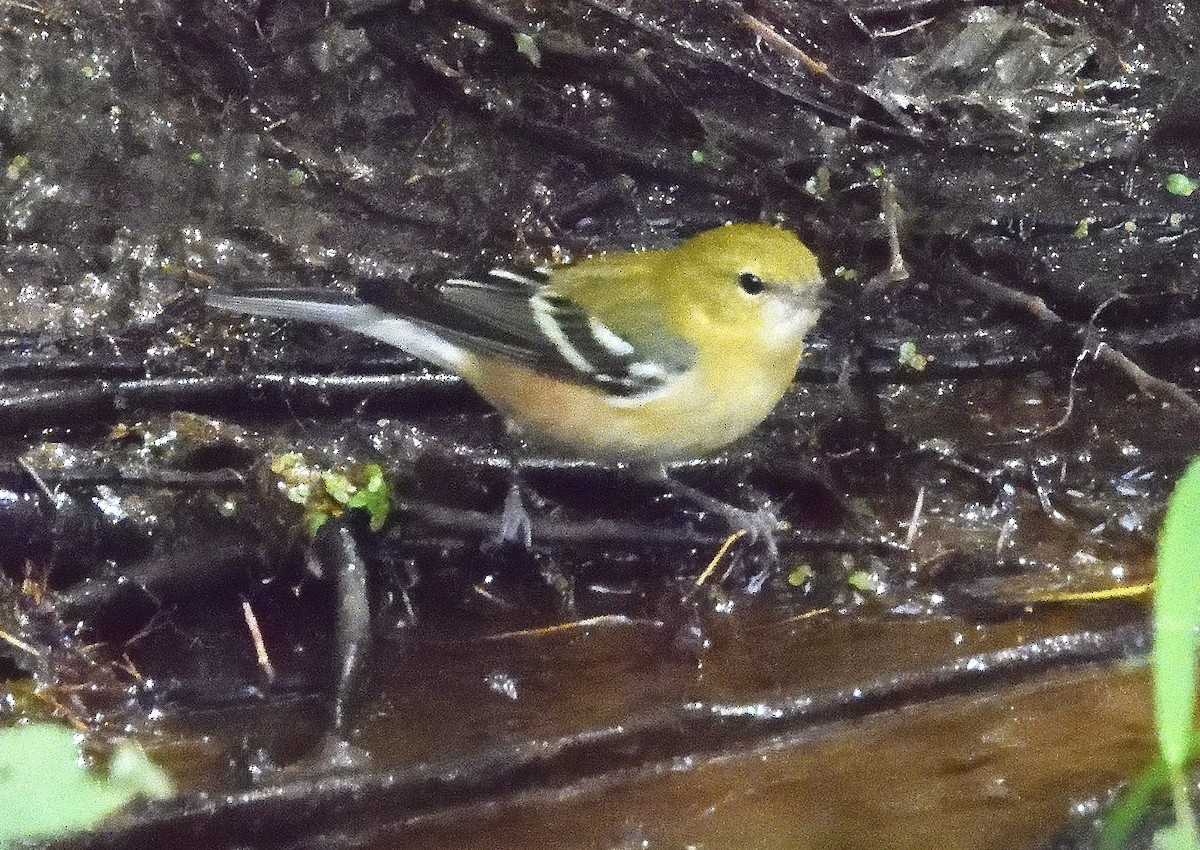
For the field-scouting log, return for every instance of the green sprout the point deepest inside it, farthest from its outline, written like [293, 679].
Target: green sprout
[1176, 622]
[328, 493]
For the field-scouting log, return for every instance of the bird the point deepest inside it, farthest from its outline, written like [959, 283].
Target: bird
[630, 357]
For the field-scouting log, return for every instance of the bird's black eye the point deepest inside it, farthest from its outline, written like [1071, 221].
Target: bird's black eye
[750, 283]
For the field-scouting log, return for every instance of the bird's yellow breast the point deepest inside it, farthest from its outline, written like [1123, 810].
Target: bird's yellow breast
[713, 404]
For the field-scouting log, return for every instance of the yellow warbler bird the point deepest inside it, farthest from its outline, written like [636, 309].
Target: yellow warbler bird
[645, 356]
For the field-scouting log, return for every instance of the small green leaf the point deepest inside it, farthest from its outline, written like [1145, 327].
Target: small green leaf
[1173, 837]
[866, 582]
[1129, 809]
[338, 487]
[1177, 620]
[17, 166]
[911, 357]
[800, 576]
[375, 496]
[45, 791]
[313, 520]
[1180, 184]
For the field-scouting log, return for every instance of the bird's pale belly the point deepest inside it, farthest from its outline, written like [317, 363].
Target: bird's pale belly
[691, 417]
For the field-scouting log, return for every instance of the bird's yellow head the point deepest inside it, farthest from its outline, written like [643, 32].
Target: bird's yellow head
[754, 276]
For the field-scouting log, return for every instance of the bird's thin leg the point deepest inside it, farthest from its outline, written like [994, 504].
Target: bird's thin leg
[757, 525]
[516, 525]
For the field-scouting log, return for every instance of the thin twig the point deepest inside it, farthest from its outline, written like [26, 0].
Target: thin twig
[769, 35]
[260, 646]
[589, 622]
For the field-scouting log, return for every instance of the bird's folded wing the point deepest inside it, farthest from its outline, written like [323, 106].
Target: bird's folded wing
[549, 332]
[505, 315]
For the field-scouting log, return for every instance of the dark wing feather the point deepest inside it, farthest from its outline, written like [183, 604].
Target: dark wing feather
[517, 317]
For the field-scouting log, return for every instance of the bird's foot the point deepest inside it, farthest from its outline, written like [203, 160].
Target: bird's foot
[755, 526]
[758, 526]
[516, 525]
